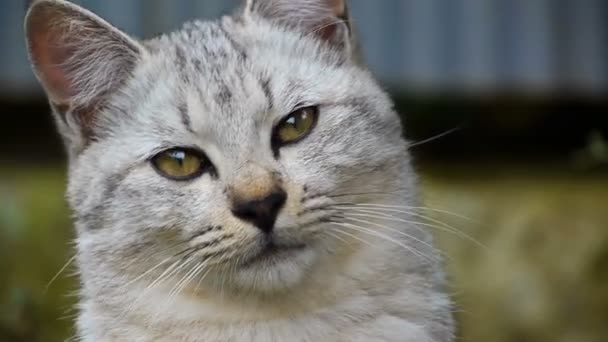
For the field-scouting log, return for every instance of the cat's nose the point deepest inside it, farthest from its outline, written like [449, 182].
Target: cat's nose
[261, 212]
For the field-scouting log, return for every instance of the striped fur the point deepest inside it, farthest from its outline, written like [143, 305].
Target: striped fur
[162, 260]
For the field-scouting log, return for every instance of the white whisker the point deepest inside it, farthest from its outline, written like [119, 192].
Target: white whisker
[202, 277]
[387, 238]
[350, 235]
[402, 233]
[435, 137]
[336, 236]
[165, 273]
[442, 211]
[186, 264]
[196, 270]
[56, 276]
[439, 224]
[148, 271]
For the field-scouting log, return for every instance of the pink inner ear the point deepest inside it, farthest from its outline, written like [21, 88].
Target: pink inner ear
[49, 54]
[328, 30]
[338, 7]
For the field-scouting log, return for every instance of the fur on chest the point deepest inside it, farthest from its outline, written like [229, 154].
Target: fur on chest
[324, 326]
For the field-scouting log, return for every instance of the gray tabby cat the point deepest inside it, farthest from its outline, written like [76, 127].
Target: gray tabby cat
[243, 179]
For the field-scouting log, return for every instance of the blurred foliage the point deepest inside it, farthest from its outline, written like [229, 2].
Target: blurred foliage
[541, 276]
[35, 233]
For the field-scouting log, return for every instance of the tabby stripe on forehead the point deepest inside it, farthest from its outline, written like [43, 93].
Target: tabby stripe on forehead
[265, 85]
[180, 55]
[183, 112]
[235, 46]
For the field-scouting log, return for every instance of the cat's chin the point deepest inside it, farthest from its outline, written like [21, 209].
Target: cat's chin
[275, 268]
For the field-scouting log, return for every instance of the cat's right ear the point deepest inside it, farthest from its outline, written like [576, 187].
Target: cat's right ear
[80, 59]
[327, 20]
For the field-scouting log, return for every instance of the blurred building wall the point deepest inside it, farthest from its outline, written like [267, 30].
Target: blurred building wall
[435, 45]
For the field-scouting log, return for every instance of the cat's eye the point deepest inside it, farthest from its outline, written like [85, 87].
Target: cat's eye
[180, 163]
[295, 126]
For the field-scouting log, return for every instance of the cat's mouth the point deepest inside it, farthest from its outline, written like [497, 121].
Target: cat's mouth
[273, 252]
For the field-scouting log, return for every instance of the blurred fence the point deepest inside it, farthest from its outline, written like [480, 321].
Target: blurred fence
[436, 45]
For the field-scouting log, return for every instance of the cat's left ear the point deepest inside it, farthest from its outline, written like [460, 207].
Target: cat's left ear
[81, 61]
[325, 19]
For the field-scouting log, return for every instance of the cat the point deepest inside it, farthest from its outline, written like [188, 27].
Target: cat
[244, 179]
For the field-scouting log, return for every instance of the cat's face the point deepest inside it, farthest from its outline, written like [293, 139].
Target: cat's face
[219, 152]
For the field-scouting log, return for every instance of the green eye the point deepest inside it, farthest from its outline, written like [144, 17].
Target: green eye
[180, 163]
[295, 126]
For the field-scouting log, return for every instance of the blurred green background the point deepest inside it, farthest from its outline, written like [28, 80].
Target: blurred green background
[525, 174]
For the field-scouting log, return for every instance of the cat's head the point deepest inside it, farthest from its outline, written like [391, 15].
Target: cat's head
[222, 149]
